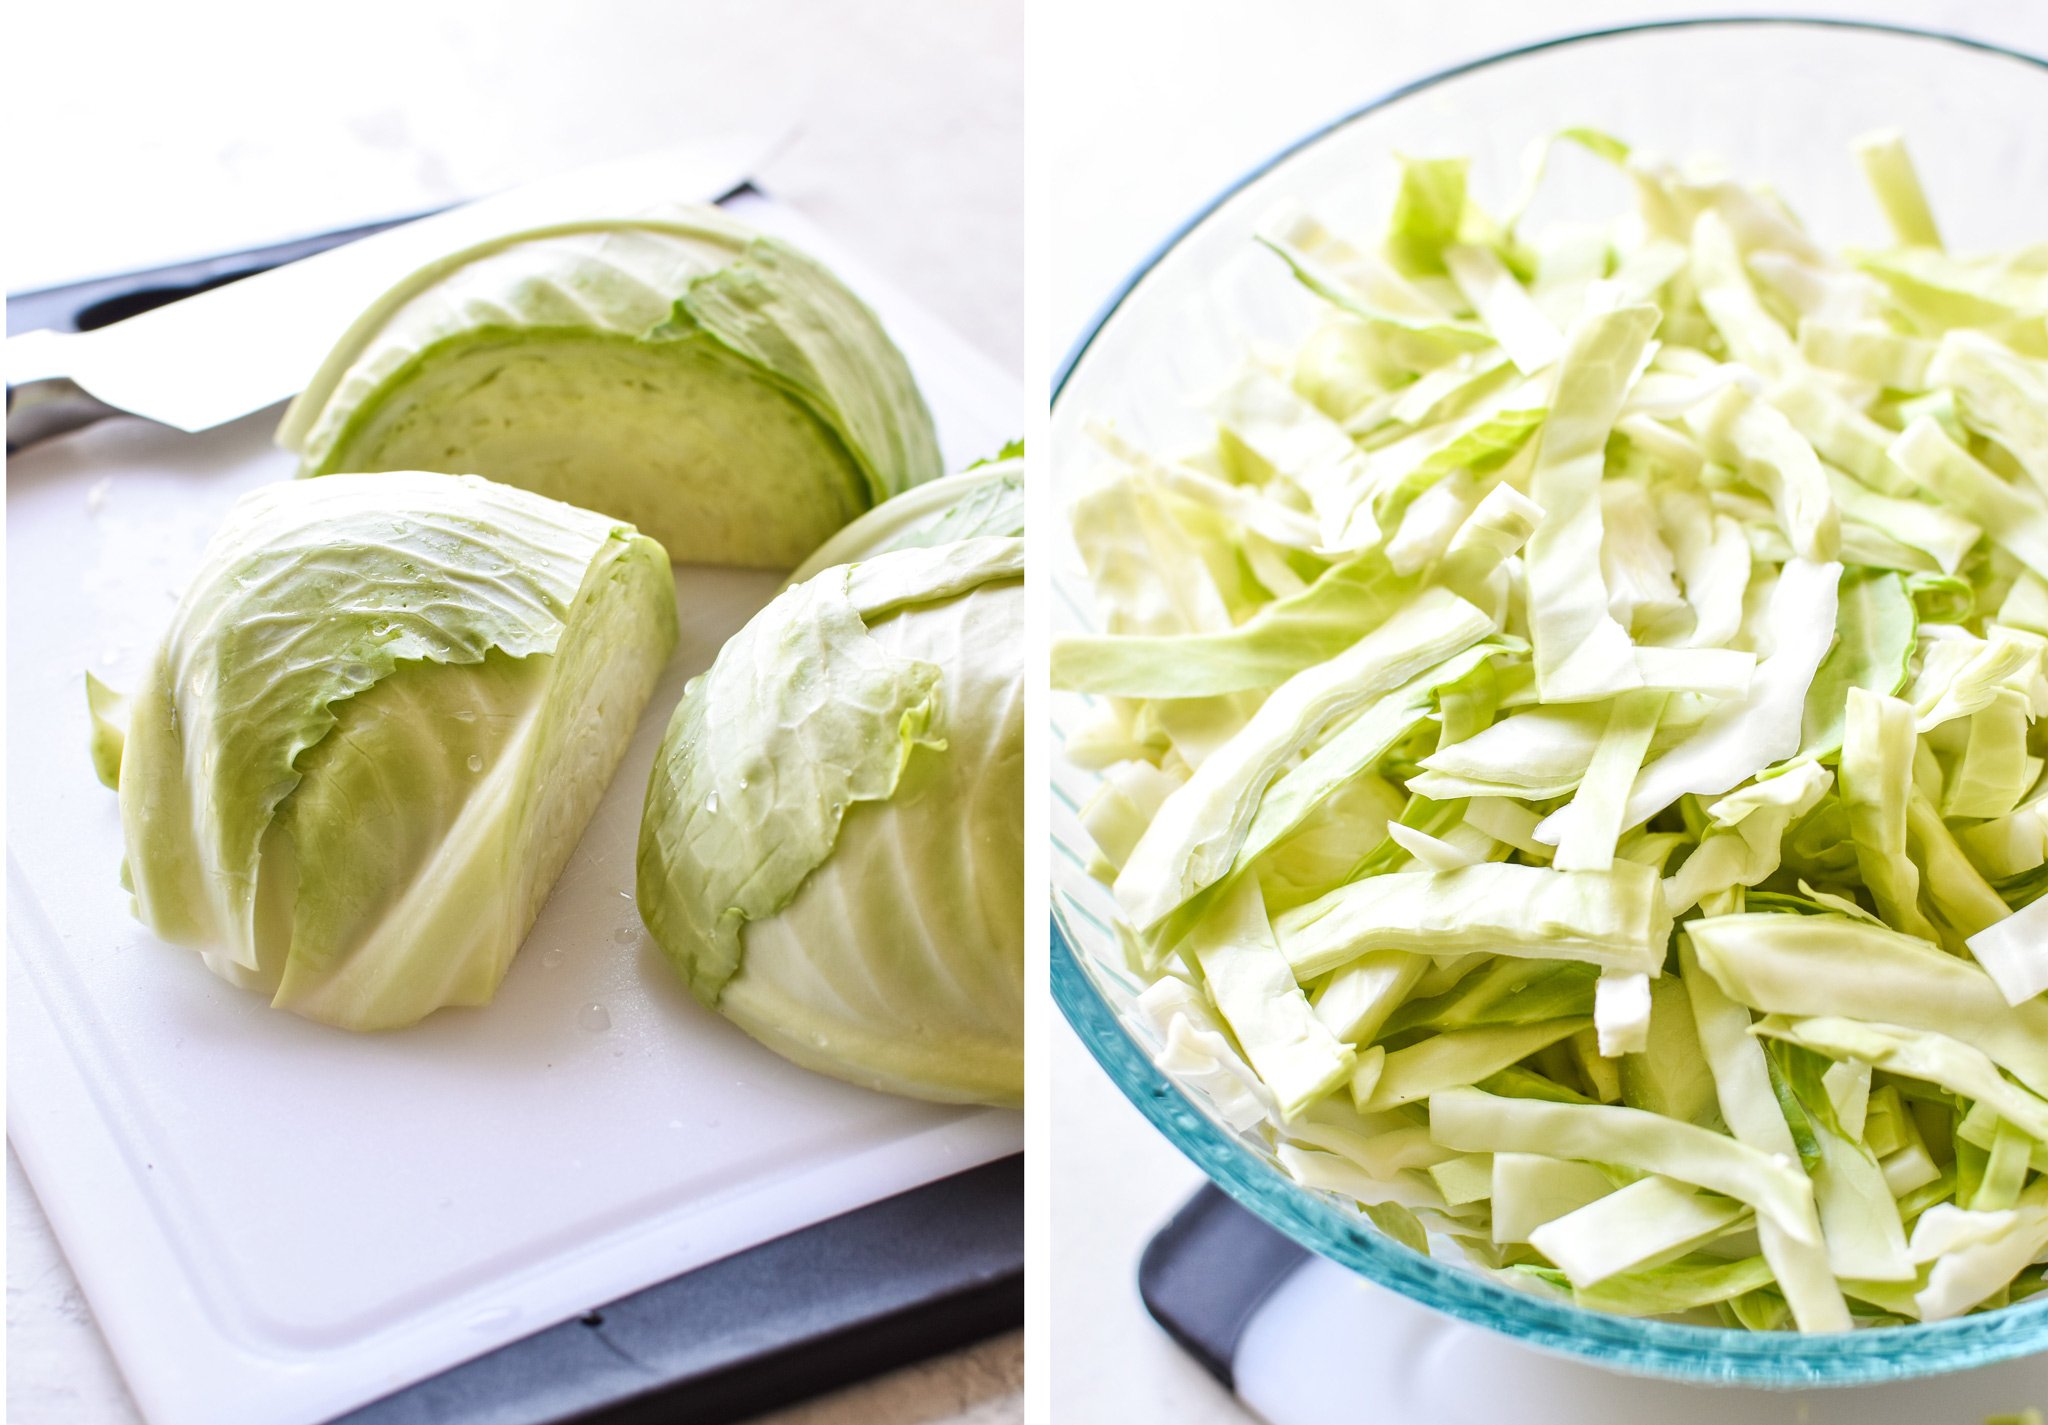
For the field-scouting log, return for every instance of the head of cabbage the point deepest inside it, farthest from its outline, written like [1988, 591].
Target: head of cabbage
[383, 713]
[718, 389]
[831, 852]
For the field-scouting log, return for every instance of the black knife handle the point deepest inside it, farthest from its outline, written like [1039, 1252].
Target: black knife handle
[39, 410]
[100, 301]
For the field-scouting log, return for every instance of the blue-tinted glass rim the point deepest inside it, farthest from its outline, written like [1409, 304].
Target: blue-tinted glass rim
[1705, 1354]
[1708, 1354]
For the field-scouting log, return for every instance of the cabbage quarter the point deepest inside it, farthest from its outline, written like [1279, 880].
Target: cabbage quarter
[383, 713]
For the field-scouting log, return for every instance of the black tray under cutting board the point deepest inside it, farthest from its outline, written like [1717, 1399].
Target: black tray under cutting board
[900, 1280]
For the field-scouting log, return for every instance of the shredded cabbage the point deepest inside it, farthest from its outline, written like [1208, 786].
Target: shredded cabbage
[1574, 745]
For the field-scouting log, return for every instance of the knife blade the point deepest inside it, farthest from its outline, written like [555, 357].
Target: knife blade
[222, 354]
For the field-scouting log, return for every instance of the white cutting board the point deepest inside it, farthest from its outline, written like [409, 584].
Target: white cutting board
[276, 1221]
[1427, 1367]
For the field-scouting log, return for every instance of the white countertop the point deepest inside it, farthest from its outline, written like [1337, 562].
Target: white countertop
[1153, 117]
[1115, 1182]
[183, 130]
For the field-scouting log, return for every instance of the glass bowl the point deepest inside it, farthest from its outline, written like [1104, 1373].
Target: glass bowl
[1780, 100]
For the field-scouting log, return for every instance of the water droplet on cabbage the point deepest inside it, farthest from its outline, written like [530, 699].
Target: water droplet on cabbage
[476, 763]
[595, 1017]
[553, 957]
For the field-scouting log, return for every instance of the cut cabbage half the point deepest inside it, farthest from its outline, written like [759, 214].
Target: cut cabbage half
[831, 851]
[717, 388]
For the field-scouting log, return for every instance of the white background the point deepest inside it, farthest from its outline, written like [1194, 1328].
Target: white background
[1151, 110]
[143, 133]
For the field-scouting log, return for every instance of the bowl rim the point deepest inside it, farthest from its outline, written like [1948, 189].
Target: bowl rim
[1488, 61]
[1700, 1354]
